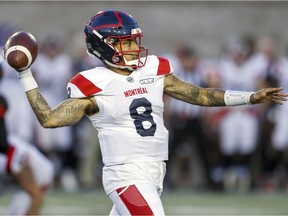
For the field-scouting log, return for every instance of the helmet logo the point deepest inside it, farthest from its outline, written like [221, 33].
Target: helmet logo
[136, 31]
[130, 79]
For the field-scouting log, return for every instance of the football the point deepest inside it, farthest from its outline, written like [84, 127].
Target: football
[20, 50]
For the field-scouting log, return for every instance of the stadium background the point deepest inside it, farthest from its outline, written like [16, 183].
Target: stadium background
[165, 25]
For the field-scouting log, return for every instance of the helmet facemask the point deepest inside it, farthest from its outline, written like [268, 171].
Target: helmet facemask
[119, 60]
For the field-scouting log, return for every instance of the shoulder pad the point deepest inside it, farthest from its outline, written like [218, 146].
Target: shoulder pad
[82, 87]
[164, 66]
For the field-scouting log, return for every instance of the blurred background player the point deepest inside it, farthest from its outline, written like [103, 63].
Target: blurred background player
[188, 153]
[273, 144]
[238, 127]
[24, 126]
[56, 144]
[31, 171]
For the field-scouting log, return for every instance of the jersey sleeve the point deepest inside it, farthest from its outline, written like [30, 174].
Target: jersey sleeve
[164, 66]
[80, 87]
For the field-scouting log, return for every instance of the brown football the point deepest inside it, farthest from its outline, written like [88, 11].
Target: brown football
[20, 50]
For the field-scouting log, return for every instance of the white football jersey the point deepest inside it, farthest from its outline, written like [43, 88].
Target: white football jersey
[130, 119]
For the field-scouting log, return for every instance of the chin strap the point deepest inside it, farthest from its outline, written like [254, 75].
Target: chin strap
[120, 66]
[130, 65]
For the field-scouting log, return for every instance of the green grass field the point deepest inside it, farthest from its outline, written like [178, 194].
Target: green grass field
[175, 203]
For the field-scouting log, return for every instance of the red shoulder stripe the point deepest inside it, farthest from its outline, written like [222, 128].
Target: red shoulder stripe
[164, 66]
[85, 85]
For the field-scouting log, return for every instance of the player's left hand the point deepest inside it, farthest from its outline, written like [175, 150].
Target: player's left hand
[269, 94]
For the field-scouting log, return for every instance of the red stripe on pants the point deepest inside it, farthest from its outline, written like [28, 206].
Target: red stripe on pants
[134, 201]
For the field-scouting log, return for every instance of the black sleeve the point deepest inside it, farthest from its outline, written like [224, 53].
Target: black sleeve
[3, 131]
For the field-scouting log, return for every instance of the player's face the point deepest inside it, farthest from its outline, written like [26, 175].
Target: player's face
[129, 48]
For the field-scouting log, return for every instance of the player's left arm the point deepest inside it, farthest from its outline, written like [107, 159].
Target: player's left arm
[193, 94]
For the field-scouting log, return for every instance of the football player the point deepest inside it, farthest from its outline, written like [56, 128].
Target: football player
[32, 172]
[124, 101]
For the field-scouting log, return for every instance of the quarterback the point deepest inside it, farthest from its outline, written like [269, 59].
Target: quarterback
[124, 101]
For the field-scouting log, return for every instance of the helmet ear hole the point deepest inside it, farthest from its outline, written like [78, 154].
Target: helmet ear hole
[99, 48]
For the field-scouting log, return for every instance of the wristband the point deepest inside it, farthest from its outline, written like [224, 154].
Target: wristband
[27, 80]
[236, 98]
